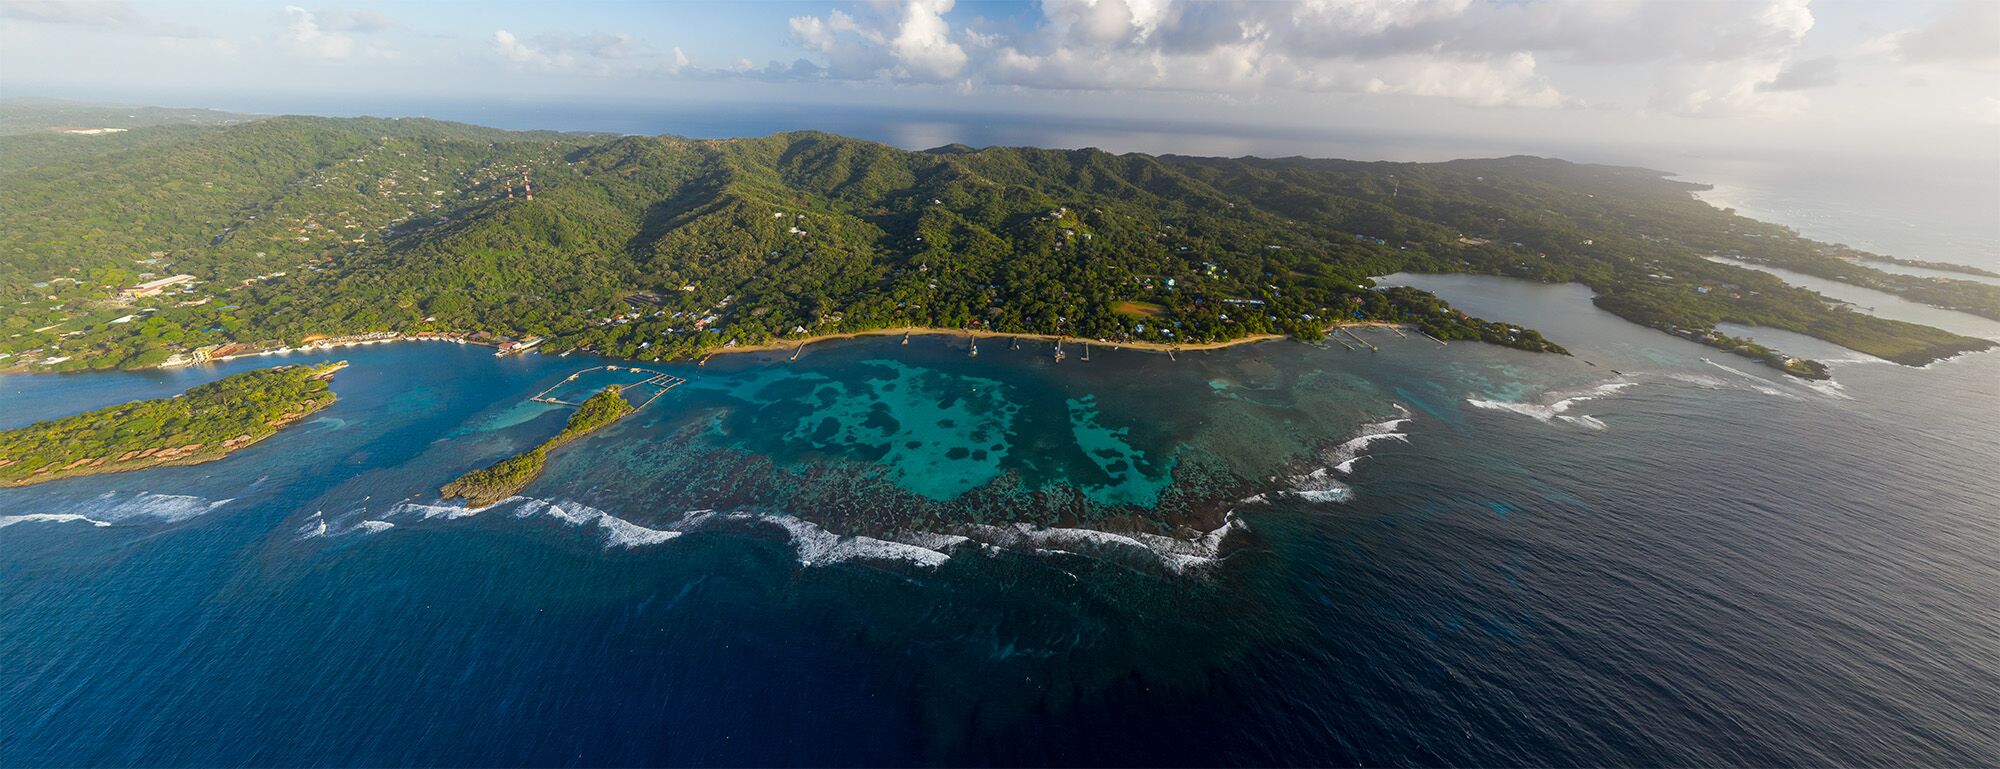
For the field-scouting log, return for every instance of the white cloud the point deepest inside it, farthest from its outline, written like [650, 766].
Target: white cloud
[114, 15]
[1805, 74]
[308, 37]
[923, 47]
[616, 45]
[358, 22]
[516, 50]
[598, 53]
[110, 14]
[1966, 34]
[1706, 57]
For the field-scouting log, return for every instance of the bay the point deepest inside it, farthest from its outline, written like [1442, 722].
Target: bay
[1646, 554]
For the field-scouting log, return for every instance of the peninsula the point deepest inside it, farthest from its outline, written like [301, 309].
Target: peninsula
[203, 424]
[507, 477]
[660, 248]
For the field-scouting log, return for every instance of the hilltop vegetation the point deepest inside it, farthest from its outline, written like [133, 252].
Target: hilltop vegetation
[509, 476]
[660, 247]
[203, 424]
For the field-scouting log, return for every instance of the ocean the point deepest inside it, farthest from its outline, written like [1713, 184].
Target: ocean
[1649, 553]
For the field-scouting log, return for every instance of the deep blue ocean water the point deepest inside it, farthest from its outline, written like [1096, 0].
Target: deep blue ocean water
[1649, 554]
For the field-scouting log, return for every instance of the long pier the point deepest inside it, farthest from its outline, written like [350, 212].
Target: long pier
[659, 379]
[1357, 338]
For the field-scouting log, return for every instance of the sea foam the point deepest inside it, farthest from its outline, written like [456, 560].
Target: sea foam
[614, 532]
[1320, 484]
[814, 546]
[9, 520]
[1754, 382]
[117, 507]
[1176, 554]
[1554, 407]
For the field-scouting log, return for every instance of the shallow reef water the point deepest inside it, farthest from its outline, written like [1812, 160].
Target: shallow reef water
[882, 554]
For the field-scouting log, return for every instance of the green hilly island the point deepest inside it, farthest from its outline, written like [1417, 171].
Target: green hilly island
[506, 477]
[167, 243]
[203, 424]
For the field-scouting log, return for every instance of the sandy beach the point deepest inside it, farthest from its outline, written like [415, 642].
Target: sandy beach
[797, 342]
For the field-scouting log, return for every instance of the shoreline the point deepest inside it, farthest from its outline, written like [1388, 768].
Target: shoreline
[107, 466]
[781, 345]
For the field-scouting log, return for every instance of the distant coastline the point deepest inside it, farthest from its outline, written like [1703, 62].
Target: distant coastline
[777, 345]
[780, 345]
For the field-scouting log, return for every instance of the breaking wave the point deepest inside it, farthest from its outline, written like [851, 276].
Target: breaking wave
[813, 545]
[1343, 457]
[1176, 554]
[9, 520]
[1318, 486]
[614, 532]
[116, 507]
[1321, 484]
[427, 511]
[316, 527]
[1752, 381]
[1554, 406]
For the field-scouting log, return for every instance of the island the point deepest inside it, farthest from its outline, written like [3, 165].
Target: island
[505, 478]
[204, 424]
[1923, 264]
[157, 247]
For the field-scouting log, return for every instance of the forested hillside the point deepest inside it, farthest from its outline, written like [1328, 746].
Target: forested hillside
[205, 423]
[665, 247]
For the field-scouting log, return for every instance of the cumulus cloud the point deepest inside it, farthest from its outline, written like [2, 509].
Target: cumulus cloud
[514, 49]
[115, 15]
[1964, 34]
[1805, 74]
[1706, 56]
[109, 14]
[603, 53]
[359, 22]
[306, 36]
[922, 46]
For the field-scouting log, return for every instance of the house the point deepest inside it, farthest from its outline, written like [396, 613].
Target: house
[152, 287]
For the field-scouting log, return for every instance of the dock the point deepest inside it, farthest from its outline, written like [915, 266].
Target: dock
[660, 380]
[1357, 338]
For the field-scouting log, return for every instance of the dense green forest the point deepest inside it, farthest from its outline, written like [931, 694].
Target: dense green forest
[200, 425]
[661, 247]
[509, 476]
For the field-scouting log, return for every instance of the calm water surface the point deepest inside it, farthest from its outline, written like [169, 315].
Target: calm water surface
[1647, 554]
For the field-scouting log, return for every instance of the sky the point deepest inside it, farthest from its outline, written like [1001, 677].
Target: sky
[1883, 78]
